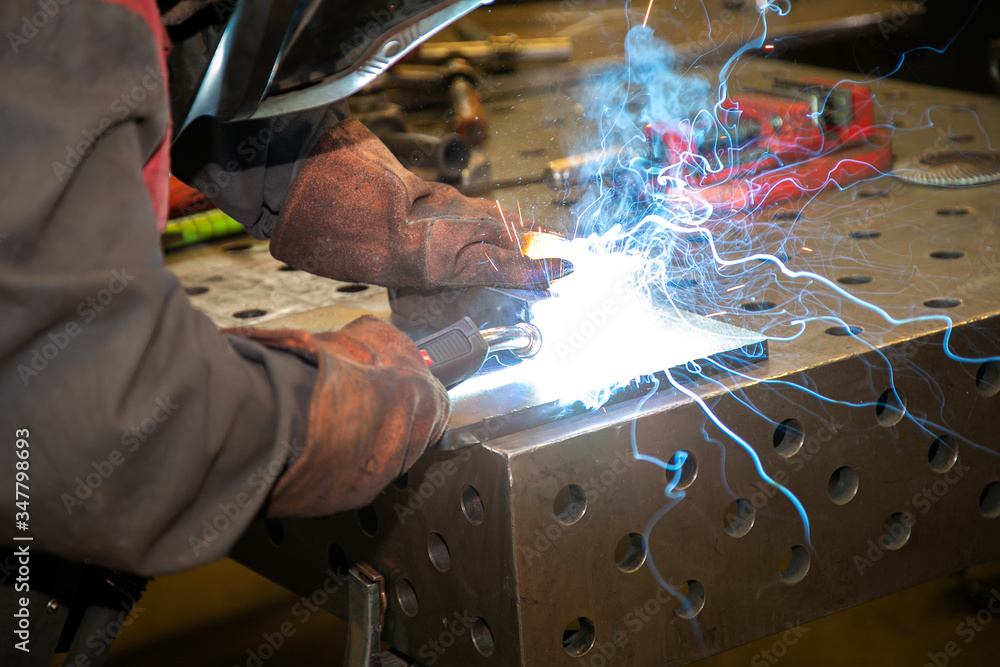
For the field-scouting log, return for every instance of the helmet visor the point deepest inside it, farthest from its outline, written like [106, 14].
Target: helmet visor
[333, 48]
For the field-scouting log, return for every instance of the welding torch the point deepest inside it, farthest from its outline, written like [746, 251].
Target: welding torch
[457, 352]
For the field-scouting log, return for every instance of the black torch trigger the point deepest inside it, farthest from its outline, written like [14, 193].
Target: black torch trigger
[455, 353]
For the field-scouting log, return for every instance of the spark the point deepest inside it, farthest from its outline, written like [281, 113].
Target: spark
[521, 219]
[806, 249]
[509, 229]
[734, 288]
[648, 9]
[494, 265]
[543, 245]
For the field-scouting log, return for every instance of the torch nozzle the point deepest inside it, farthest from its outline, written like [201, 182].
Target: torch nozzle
[456, 353]
[523, 340]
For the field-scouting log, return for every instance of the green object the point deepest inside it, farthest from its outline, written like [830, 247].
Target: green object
[199, 227]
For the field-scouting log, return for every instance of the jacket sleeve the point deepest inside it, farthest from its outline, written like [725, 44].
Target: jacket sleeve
[154, 440]
[245, 167]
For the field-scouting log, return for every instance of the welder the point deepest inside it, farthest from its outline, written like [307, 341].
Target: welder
[144, 423]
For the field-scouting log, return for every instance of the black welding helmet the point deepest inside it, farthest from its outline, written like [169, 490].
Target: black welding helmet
[280, 56]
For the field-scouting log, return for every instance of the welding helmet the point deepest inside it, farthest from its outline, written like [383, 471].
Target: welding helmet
[281, 56]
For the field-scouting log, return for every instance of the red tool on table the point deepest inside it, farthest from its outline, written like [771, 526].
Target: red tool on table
[796, 139]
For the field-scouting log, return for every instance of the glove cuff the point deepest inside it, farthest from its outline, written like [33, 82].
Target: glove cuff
[343, 213]
[374, 410]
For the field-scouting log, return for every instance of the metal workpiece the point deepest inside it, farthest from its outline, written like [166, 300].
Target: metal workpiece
[522, 537]
[366, 613]
[427, 618]
[506, 399]
[734, 544]
[547, 542]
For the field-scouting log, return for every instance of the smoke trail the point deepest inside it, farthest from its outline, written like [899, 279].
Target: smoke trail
[618, 102]
[641, 224]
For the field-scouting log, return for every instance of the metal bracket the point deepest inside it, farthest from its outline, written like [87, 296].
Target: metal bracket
[366, 614]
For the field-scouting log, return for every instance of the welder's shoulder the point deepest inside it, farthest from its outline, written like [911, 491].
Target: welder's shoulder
[78, 51]
[72, 73]
[55, 30]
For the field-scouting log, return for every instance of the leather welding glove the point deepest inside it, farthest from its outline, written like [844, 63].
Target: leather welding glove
[354, 213]
[374, 410]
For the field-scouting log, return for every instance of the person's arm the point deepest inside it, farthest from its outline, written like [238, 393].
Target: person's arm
[145, 424]
[154, 440]
[246, 167]
[333, 199]
[354, 213]
[243, 167]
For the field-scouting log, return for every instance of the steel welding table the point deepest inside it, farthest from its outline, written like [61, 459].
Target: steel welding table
[523, 549]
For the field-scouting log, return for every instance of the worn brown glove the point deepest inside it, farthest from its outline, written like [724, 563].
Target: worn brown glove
[354, 213]
[374, 410]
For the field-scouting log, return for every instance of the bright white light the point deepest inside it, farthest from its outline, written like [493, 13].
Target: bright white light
[600, 330]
